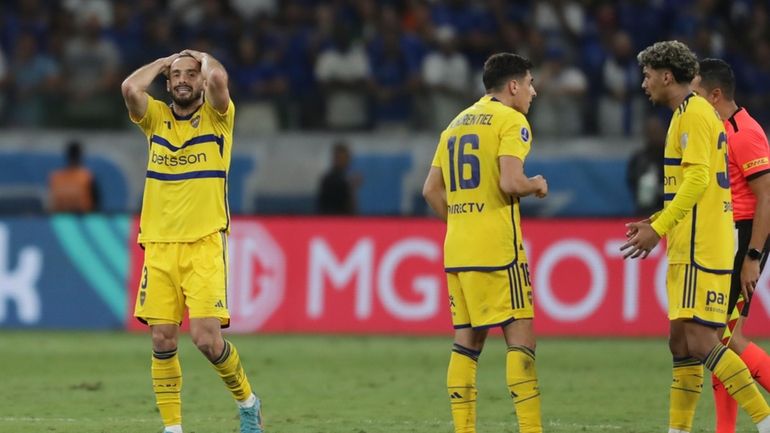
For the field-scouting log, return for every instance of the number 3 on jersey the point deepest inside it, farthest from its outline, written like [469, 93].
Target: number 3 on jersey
[723, 179]
[465, 162]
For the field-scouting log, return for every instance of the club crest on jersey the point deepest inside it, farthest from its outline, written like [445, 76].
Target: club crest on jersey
[195, 121]
[524, 134]
[683, 140]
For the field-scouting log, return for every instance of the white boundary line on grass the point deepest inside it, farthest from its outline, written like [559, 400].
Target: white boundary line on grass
[551, 423]
[55, 419]
[558, 423]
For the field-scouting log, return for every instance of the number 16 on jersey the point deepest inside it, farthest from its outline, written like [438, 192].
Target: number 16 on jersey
[465, 162]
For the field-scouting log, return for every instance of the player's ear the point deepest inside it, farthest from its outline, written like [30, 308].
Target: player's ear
[168, 85]
[716, 94]
[513, 87]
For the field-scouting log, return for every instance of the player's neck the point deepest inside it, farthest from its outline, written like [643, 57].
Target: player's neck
[186, 111]
[678, 94]
[502, 98]
[726, 109]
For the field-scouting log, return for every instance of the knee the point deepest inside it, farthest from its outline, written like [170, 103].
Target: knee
[163, 341]
[700, 351]
[700, 344]
[677, 344]
[207, 343]
[738, 343]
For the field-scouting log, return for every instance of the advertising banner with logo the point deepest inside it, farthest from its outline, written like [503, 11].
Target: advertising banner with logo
[318, 275]
[63, 272]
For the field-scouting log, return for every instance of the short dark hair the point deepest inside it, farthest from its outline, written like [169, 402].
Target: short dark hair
[716, 73]
[502, 67]
[73, 152]
[672, 55]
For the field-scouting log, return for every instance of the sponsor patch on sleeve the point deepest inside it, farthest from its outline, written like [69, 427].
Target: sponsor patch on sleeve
[524, 134]
[755, 163]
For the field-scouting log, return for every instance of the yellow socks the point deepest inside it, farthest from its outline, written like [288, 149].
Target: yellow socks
[167, 386]
[736, 378]
[229, 368]
[686, 387]
[522, 383]
[461, 385]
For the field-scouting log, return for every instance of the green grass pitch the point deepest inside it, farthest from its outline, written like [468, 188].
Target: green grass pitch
[67, 382]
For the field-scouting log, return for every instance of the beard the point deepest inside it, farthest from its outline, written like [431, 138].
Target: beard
[186, 101]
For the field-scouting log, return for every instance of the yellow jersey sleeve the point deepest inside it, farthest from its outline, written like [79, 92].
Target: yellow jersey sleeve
[226, 118]
[515, 136]
[695, 137]
[152, 117]
[696, 180]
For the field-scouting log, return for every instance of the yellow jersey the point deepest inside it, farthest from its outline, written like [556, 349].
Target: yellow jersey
[704, 237]
[185, 190]
[483, 223]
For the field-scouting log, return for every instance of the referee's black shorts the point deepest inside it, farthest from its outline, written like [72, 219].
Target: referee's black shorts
[744, 237]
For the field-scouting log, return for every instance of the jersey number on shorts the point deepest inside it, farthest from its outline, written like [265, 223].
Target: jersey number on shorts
[722, 178]
[464, 160]
[144, 278]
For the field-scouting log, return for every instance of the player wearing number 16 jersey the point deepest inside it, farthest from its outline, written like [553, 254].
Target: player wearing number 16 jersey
[474, 184]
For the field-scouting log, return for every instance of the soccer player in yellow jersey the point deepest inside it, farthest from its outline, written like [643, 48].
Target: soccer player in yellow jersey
[474, 184]
[697, 222]
[184, 225]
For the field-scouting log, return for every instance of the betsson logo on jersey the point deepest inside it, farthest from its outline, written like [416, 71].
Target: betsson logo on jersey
[173, 161]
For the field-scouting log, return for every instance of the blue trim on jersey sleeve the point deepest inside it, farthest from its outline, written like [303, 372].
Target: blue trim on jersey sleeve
[669, 196]
[201, 174]
[672, 161]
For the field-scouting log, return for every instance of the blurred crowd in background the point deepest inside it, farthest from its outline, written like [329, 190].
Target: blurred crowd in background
[347, 65]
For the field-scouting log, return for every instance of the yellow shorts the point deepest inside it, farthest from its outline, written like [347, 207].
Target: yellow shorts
[179, 275]
[487, 299]
[698, 295]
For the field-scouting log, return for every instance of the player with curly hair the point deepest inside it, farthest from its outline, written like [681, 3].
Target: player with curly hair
[697, 222]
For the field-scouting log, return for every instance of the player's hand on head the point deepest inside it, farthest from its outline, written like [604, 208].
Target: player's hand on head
[167, 63]
[197, 55]
[641, 240]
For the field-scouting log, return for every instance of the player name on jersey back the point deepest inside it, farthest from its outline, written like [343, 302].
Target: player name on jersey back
[483, 230]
